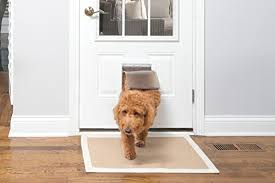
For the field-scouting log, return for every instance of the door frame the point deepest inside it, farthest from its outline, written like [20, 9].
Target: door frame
[10, 48]
[198, 66]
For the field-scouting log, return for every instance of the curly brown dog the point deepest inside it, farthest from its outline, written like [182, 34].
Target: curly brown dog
[134, 114]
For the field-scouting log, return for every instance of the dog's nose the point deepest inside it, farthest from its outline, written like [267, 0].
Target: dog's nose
[127, 130]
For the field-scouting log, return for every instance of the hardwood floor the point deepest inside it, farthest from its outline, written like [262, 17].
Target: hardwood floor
[5, 107]
[58, 160]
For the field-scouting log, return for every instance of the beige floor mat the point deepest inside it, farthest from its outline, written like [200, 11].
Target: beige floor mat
[163, 153]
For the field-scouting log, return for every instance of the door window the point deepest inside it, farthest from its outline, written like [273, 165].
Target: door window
[142, 18]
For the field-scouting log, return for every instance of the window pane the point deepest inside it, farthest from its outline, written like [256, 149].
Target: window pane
[136, 22]
[110, 24]
[161, 17]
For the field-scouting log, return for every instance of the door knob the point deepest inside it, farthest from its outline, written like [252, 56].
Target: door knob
[90, 11]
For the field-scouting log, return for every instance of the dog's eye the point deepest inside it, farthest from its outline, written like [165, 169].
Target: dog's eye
[136, 114]
[124, 112]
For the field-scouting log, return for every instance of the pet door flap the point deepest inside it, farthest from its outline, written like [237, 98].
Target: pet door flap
[142, 80]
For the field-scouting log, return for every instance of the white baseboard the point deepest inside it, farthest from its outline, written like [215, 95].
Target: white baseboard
[41, 126]
[62, 126]
[240, 125]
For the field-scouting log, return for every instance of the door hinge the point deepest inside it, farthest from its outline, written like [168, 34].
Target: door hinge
[193, 96]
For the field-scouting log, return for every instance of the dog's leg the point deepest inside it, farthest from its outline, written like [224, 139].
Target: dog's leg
[140, 138]
[128, 145]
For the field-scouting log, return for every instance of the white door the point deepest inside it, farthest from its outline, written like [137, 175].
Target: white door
[156, 32]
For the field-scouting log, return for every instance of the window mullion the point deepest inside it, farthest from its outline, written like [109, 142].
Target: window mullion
[123, 17]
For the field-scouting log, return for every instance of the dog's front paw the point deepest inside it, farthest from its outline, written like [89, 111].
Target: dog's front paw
[140, 143]
[130, 156]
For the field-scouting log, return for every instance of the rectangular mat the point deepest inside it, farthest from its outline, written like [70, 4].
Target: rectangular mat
[164, 153]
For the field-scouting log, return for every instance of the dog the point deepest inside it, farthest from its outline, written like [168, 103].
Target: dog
[135, 114]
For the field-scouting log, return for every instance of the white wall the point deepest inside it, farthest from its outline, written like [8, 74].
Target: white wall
[240, 57]
[41, 55]
[240, 65]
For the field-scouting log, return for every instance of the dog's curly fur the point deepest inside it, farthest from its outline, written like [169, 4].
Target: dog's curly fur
[134, 114]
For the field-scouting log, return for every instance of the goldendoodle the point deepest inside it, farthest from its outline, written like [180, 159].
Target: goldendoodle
[134, 114]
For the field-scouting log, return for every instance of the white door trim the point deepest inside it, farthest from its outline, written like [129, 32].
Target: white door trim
[11, 43]
[198, 66]
[74, 65]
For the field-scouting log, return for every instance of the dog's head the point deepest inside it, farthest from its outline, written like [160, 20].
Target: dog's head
[133, 113]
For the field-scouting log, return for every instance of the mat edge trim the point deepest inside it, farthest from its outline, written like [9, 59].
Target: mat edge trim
[89, 167]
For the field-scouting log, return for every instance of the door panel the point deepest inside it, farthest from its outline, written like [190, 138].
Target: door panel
[161, 36]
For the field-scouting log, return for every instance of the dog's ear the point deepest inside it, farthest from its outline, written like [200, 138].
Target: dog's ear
[116, 112]
[149, 115]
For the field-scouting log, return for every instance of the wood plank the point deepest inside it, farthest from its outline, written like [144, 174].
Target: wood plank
[5, 106]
